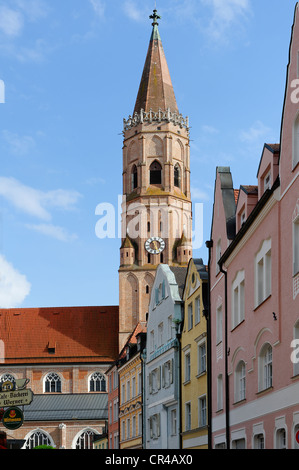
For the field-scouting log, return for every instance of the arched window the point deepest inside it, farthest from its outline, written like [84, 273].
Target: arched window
[97, 382]
[37, 438]
[240, 382]
[52, 383]
[85, 440]
[6, 378]
[134, 178]
[155, 173]
[177, 176]
[265, 367]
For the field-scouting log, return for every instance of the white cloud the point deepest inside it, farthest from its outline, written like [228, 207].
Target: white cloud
[225, 14]
[35, 202]
[98, 7]
[53, 231]
[33, 9]
[257, 132]
[209, 129]
[132, 11]
[20, 145]
[14, 287]
[11, 21]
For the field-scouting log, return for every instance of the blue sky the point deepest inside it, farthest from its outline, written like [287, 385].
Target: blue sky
[71, 70]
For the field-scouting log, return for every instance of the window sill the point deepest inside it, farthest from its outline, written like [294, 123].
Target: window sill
[262, 302]
[265, 390]
[240, 402]
[187, 382]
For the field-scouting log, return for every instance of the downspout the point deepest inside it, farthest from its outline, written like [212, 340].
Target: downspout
[207, 314]
[179, 378]
[143, 357]
[227, 420]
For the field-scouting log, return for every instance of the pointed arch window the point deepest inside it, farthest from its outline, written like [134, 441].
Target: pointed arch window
[97, 382]
[177, 176]
[155, 173]
[38, 438]
[134, 178]
[53, 383]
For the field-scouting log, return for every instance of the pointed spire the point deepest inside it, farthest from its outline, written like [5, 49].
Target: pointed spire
[156, 90]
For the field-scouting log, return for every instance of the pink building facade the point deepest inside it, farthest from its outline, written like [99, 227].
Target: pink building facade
[254, 292]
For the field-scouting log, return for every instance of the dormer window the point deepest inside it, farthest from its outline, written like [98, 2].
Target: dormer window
[242, 218]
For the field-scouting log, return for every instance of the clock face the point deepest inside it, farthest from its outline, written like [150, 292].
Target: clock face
[155, 245]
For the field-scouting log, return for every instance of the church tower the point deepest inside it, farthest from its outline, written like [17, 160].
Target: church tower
[156, 208]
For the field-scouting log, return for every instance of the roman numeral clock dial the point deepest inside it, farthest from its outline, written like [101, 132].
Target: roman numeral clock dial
[155, 245]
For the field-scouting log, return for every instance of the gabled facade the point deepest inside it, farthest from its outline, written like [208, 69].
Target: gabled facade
[113, 406]
[194, 350]
[162, 362]
[254, 291]
[130, 372]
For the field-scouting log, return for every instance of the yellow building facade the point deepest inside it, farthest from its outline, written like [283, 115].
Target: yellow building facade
[194, 386]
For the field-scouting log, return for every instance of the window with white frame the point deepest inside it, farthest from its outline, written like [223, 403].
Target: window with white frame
[128, 396]
[38, 438]
[265, 367]
[267, 181]
[123, 393]
[190, 316]
[219, 324]
[85, 440]
[52, 383]
[197, 310]
[238, 302]
[133, 386]
[201, 357]
[128, 428]
[296, 245]
[202, 411]
[123, 430]
[296, 141]
[281, 440]
[167, 373]
[240, 381]
[263, 273]
[187, 416]
[169, 327]
[152, 341]
[219, 392]
[154, 425]
[155, 380]
[134, 426]
[187, 367]
[160, 334]
[97, 382]
[259, 441]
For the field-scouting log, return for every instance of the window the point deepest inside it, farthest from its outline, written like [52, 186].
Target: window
[52, 383]
[187, 367]
[128, 428]
[154, 424]
[218, 255]
[128, 391]
[7, 378]
[155, 380]
[155, 173]
[238, 304]
[97, 382]
[85, 440]
[296, 245]
[173, 424]
[152, 341]
[187, 416]
[219, 392]
[267, 181]
[134, 426]
[160, 334]
[202, 411]
[38, 438]
[197, 310]
[296, 141]
[139, 424]
[219, 324]
[123, 430]
[190, 316]
[177, 176]
[259, 441]
[134, 179]
[115, 410]
[167, 373]
[201, 352]
[242, 218]
[169, 325]
[263, 272]
[265, 367]
[133, 387]
[240, 382]
[281, 442]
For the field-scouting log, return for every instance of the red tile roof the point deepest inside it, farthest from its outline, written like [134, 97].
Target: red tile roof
[77, 334]
[236, 194]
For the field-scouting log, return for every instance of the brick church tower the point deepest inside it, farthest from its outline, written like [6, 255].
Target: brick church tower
[156, 209]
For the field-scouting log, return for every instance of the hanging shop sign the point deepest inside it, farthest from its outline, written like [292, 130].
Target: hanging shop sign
[16, 398]
[13, 418]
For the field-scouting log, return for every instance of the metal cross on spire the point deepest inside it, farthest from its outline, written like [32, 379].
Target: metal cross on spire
[155, 17]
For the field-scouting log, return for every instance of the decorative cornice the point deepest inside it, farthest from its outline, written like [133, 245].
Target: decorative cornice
[159, 116]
